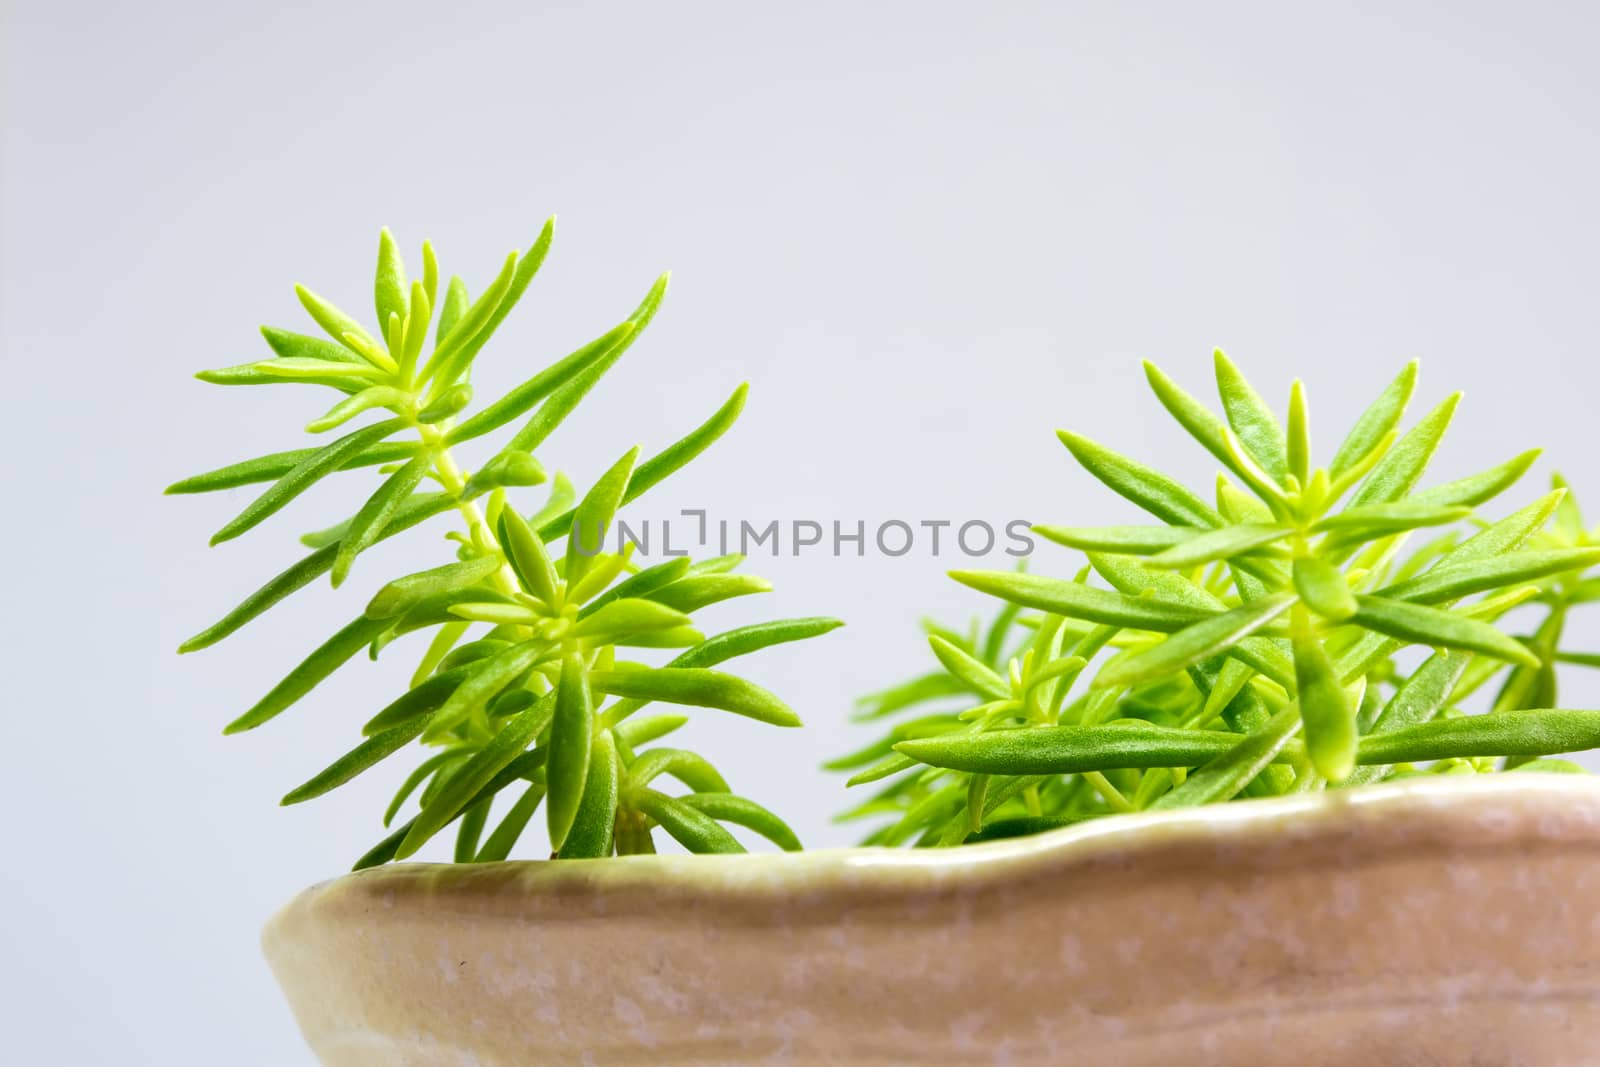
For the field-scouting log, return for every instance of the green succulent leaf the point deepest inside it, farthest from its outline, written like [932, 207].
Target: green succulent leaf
[1225, 543]
[1251, 419]
[725, 807]
[1328, 713]
[1149, 489]
[969, 669]
[594, 824]
[1402, 465]
[327, 658]
[1196, 642]
[1070, 749]
[1478, 488]
[470, 784]
[571, 739]
[592, 518]
[1451, 581]
[690, 827]
[376, 514]
[304, 475]
[687, 767]
[1440, 629]
[1131, 540]
[1226, 776]
[1078, 601]
[1376, 423]
[1538, 732]
[696, 687]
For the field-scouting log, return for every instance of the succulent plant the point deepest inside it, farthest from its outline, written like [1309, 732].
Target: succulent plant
[1252, 643]
[525, 684]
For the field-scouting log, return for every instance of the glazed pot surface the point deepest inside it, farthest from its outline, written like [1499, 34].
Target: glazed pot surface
[1431, 921]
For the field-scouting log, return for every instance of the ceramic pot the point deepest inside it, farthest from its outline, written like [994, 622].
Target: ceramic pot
[1433, 921]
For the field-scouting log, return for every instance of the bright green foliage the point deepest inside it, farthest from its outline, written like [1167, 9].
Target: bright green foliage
[526, 685]
[1253, 643]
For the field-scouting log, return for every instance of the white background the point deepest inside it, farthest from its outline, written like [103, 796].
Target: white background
[926, 234]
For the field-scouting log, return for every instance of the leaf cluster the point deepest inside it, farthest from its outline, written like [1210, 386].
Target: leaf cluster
[527, 686]
[1273, 636]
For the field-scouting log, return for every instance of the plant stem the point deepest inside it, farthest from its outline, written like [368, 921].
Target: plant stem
[454, 482]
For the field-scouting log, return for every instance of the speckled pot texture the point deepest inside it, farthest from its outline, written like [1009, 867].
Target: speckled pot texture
[1436, 921]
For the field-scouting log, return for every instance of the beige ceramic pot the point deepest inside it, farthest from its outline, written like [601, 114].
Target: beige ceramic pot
[1437, 921]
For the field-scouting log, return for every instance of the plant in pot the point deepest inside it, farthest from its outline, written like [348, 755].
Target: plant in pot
[1161, 750]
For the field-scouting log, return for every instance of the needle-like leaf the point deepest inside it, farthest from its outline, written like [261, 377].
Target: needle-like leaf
[594, 824]
[696, 687]
[304, 475]
[1441, 629]
[379, 510]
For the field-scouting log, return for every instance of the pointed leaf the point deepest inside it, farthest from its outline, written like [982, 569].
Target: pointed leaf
[1077, 601]
[1419, 698]
[1376, 423]
[390, 289]
[725, 807]
[1070, 749]
[571, 738]
[1252, 420]
[1540, 732]
[456, 302]
[1151, 490]
[543, 384]
[694, 830]
[327, 658]
[1130, 540]
[1230, 541]
[355, 761]
[378, 396]
[486, 679]
[505, 836]
[400, 595]
[696, 687]
[1326, 710]
[666, 462]
[593, 827]
[639, 585]
[481, 770]
[454, 353]
[563, 400]
[1299, 436]
[1194, 643]
[528, 557]
[1451, 581]
[377, 512]
[1192, 415]
[592, 518]
[1441, 629]
[305, 474]
[337, 323]
[1225, 776]
[693, 593]
[629, 616]
[289, 345]
[1378, 520]
[1475, 489]
[275, 465]
[1398, 471]
[985, 682]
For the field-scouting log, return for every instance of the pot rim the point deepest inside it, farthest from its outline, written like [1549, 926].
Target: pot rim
[1455, 808]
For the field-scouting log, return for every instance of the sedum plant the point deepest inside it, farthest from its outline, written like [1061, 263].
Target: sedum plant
[525, 683]
[1273, 638]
